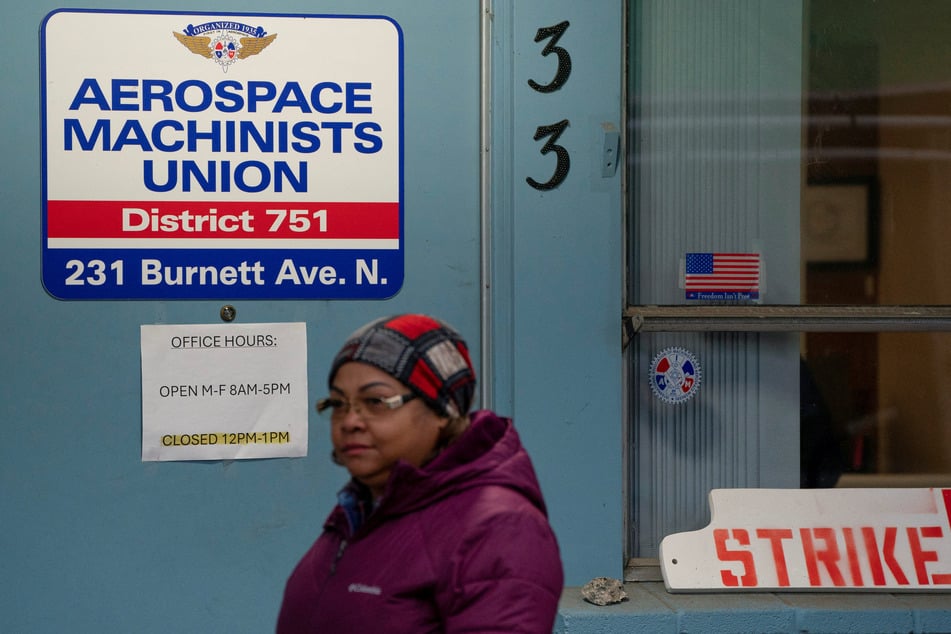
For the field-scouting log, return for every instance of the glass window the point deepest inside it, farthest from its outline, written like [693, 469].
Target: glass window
[877, 156]
[815, 136]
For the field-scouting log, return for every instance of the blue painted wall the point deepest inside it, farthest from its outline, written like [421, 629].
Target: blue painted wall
[94, 540]
[558, 290]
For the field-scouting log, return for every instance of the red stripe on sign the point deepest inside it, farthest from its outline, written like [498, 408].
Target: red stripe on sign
[225, 220]
[946, 494]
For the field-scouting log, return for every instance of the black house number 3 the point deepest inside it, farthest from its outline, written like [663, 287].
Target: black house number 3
[553, 131]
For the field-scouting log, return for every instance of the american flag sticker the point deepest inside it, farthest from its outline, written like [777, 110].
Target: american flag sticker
[728, 276]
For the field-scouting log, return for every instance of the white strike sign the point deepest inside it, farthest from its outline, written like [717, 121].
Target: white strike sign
[815, 539]
[215, 392]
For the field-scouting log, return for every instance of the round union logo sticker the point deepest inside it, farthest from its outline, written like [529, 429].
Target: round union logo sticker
[674, 375]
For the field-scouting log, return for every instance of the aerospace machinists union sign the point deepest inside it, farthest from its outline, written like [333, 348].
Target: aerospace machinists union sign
[221, 156]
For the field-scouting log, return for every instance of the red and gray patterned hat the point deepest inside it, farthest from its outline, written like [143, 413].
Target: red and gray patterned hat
[423, 353]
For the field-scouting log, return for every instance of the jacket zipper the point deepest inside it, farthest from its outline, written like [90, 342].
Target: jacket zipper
[340, 549]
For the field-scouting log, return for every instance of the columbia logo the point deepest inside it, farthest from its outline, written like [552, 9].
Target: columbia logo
[359, 587]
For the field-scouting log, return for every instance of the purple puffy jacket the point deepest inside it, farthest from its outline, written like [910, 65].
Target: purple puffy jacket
[462, 544]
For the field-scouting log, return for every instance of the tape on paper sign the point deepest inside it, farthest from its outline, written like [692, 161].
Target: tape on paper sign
[675, 375]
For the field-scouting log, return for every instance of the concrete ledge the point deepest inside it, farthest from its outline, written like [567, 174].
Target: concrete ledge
[650, 608]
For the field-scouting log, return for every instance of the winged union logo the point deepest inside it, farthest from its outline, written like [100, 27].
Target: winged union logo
[224, 42]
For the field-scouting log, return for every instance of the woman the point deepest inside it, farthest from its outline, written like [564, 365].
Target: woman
[442, 527]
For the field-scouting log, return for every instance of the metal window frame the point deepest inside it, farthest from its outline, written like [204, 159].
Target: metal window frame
[784, 318]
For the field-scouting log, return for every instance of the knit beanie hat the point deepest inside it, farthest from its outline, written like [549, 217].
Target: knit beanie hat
[423, 353]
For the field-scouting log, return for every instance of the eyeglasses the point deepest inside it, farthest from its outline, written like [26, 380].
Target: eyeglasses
[369, 406]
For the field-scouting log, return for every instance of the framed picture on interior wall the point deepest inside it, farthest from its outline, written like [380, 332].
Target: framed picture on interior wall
[839, 222]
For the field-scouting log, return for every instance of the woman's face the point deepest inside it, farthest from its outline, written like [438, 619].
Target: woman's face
[369, 444]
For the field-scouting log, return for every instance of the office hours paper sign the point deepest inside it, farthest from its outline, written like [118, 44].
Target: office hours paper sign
[217, 155]
[221, 392]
